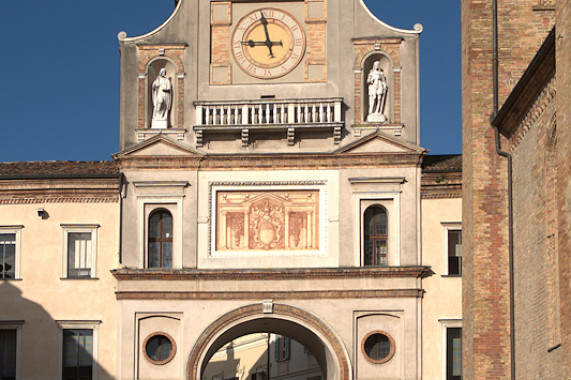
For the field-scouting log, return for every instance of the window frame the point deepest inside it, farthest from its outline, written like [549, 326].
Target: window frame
[146, 206]
[445, 325]
[171, 355]
[446, 227]
[15, 325]
[282, 348]
[391, 202]
[164, 213]
[391, 343]
[375, 237]
[5, 230]
[78, 325]
[79, 228]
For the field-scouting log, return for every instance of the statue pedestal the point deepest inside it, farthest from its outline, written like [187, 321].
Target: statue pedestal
[376, 118]
[159, 124]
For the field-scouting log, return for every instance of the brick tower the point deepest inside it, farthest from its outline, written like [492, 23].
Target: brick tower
[527, 102]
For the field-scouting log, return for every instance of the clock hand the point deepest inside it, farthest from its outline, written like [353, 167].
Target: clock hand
[252, 43]
[268, 41]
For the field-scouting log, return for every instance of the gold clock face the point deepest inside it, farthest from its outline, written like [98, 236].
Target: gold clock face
[268, 43]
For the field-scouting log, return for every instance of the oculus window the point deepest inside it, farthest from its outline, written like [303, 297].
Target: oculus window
[378, 347]
[159, 348]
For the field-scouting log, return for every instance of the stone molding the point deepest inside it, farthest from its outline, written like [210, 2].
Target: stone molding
[42, 199]
[261, 274]
[534, 112]
[274, 295]
[279, 310]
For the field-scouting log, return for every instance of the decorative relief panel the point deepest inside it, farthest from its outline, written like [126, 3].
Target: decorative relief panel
[267, 220]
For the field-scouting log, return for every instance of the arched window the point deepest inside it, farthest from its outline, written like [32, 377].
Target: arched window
[160, 239]
[376, 236]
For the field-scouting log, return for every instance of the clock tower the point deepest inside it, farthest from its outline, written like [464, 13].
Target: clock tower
[271, 164]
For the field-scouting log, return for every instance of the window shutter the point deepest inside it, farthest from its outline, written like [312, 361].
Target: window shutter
[287, 344]
[277, 346]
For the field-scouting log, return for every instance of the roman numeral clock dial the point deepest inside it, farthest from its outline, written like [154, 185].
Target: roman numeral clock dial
[268, 43]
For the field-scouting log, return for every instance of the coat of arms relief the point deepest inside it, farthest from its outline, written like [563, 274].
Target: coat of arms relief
[267, 220]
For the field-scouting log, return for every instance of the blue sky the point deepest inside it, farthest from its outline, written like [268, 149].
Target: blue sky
[60, 59]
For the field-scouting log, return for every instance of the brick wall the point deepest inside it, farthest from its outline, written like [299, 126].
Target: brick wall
[485, 253]
[535, 264]
[563, 189]
[485, 264]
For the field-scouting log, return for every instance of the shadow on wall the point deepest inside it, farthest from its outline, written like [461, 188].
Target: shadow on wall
[35, 346]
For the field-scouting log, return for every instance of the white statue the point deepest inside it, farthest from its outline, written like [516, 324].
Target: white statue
[162, 100]
[378, 88]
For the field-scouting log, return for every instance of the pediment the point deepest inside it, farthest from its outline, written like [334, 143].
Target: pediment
[159, 145]
[267, 196]
[379, 142]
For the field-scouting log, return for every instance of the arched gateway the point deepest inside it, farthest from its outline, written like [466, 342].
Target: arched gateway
[291, 321]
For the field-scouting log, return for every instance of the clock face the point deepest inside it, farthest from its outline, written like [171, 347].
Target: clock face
[268, 43]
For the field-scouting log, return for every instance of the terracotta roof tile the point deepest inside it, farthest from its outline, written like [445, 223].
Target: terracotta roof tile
[58, 169]
[444, 162]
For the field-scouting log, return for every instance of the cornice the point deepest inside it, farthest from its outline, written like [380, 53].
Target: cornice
[273, 295]
[23, 190]
[269, 274]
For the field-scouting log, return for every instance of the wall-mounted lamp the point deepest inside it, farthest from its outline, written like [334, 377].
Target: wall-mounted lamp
[42, 213]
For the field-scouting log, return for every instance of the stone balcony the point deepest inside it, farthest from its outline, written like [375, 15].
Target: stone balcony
[269, 115]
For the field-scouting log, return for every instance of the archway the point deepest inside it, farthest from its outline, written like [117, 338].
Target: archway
[290, 321]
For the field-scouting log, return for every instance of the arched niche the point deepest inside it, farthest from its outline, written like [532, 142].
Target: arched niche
[153, 71]
[386, 65]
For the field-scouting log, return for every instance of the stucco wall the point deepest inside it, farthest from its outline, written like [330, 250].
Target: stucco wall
[442, 301]
[40, 297]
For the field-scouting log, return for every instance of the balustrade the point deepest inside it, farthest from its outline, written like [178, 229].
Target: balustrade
[269, 114]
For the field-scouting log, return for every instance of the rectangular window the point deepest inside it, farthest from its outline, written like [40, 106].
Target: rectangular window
[8, 255]
[77, 363]
[282, 348]
[79, 254]
[8, 354]
[454, 353]
[79, 250]
[454, 252]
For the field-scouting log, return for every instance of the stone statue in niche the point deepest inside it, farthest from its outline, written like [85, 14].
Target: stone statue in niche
[378, 89]
[162, 100]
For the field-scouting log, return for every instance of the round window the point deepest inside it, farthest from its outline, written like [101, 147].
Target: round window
[378, 347]
[159, 348]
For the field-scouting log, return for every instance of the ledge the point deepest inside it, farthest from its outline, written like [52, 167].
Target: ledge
[268, 294]
[145, 133]
[269, 274]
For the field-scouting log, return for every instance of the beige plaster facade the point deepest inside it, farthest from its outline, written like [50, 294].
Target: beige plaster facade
[442, 303]
[268, 204]
[41, 299]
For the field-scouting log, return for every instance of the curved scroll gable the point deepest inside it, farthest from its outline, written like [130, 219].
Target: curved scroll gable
[122, 36]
